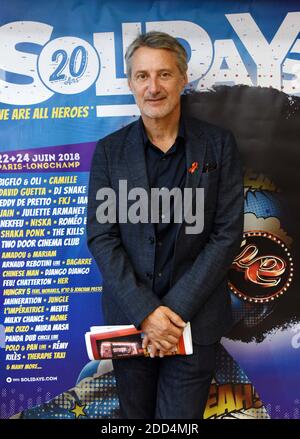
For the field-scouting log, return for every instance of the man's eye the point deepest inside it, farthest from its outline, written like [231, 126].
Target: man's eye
[165, 75]
[141, 76]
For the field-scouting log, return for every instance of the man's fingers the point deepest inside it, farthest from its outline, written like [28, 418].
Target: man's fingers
[172, 350]
[172, 340]
[176, 319]
[173, 332]
[145, 341]
[157, 348]
[165, 345]
[161, 348]
[153, 350]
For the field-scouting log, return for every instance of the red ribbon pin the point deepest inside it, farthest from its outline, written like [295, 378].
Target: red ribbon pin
[192, 169]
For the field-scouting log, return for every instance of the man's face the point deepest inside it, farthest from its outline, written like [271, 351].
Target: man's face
[156, 82]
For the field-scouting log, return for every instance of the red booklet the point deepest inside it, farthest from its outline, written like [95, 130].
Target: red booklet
[104, 342]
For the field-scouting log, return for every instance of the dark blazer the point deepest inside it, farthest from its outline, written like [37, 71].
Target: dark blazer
[125, 253]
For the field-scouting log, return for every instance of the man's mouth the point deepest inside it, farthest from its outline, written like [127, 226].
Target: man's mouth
[155, 100]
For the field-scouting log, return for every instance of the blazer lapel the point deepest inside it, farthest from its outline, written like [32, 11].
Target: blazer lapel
[136, 158]
[136, 164]
[195, 148]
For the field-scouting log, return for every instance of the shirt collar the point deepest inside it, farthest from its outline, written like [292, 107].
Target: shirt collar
[146, 141]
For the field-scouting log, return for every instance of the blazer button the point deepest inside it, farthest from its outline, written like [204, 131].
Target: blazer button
[149, 275]
[151, 239]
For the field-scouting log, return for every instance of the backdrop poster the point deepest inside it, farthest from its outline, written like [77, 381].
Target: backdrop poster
[62, 87]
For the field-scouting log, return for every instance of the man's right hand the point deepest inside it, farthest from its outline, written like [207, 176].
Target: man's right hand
[162, 329]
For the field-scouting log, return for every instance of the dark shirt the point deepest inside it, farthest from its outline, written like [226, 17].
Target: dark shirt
[165, 170]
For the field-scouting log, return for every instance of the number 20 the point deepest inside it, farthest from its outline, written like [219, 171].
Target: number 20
[57, 75]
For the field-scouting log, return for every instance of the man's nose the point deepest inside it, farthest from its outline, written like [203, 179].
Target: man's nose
[153, 85]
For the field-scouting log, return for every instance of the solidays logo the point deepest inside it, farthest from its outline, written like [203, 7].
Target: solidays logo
[34, 67]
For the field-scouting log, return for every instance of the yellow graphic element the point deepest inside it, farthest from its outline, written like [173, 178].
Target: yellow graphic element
[268, 225]
[25, 113]
[78, 410]
[258, 181]
[228, 398]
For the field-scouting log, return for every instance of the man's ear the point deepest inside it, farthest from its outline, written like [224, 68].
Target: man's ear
[129, 84]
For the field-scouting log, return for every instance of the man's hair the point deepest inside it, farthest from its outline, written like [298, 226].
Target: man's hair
[157, 40]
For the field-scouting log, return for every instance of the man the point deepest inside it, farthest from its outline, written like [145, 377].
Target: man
[158, 276]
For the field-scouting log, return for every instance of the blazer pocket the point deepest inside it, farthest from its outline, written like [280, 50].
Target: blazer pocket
[209, 167]
[209, 177]
[210, 171]
[210, 183]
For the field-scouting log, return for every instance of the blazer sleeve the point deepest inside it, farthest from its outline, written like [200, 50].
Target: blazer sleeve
[104, 242]
[195, 286]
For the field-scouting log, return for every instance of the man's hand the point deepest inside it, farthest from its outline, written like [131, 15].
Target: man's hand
[162, 329]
